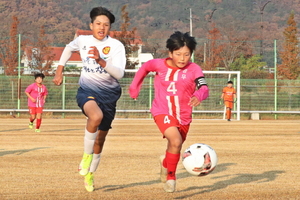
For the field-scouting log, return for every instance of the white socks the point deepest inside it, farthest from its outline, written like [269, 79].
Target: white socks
[89, 140]
[95, 162]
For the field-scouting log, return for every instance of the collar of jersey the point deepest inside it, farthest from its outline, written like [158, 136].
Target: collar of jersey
[106, 38]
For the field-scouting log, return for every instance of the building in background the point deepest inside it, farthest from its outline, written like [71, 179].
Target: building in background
[74, 64]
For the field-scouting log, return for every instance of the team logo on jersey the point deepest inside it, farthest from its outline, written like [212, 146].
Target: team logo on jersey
[106, 50]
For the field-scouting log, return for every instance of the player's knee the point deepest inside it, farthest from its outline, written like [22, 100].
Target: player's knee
[95, 119]
[176, 143]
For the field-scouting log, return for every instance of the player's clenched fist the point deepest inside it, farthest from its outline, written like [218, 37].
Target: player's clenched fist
[57, 80]
[94, 53]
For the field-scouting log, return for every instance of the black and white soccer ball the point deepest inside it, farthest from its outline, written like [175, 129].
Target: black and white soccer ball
[199, 159]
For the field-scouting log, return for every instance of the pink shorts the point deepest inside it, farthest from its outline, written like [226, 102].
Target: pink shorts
[35, 110]
[165, 121]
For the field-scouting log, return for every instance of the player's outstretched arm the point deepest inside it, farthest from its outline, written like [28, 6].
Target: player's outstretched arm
[138, 79]
[65, 56]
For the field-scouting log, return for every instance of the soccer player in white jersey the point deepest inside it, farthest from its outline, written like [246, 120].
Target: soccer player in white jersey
[104, 63]
[179, 85]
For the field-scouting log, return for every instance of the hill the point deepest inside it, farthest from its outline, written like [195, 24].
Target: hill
[155, 20]
[151, 18]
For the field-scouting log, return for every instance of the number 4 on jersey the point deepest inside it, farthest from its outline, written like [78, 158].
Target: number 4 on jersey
[167, 120]
[172, 88]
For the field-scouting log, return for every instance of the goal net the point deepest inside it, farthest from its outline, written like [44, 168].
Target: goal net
[208, 109]
[213, 107]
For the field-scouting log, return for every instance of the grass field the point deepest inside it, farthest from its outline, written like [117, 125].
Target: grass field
[257, 160]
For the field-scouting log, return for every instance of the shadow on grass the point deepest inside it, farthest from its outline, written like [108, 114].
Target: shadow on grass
[108, 188]
[220, 168]
[43, 130]
[60, 130]
[19, 151]
[235, 179]
[11, 130]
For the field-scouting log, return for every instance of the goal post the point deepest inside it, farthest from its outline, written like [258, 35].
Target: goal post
[208, 109]
[217, 80]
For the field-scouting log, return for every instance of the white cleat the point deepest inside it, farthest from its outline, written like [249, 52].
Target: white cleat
[170, 186]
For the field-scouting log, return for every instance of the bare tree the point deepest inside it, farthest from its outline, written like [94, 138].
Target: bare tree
[39, 55]
[129, 40]
[214, 59]
[9, 49]
[289, 69]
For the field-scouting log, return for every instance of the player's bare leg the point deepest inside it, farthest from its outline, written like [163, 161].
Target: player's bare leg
[99, 142]
[95, 115]
[98, 146]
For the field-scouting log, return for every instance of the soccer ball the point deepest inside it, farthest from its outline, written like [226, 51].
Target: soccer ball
[199, 159]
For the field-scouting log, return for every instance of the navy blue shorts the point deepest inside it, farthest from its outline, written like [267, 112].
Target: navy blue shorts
[106, 102]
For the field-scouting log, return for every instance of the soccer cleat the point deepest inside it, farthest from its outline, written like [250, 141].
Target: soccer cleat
[170, 186]
[85, 163]
[37, 130]
[163, 170]
[89, 182]
[30, 125]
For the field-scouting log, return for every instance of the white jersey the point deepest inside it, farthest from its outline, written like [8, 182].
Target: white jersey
[93, 76]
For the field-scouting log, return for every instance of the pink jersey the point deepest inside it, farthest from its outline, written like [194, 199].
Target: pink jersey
[38, 93]
[173, 88]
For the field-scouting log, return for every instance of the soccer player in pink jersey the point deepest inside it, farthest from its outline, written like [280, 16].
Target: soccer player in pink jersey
[37, 94]
[179, 86]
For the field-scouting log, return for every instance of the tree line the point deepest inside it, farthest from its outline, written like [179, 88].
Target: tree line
[229, 33]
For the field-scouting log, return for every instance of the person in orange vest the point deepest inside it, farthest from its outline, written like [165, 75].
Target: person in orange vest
[228, 96]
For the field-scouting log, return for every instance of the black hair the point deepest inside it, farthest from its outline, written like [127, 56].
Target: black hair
[39, 75]
[101, 11]
[178, 40]
[230, 82]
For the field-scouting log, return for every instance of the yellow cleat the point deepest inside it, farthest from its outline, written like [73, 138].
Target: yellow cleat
[89, 182]
[30, 125]
[85, 163]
